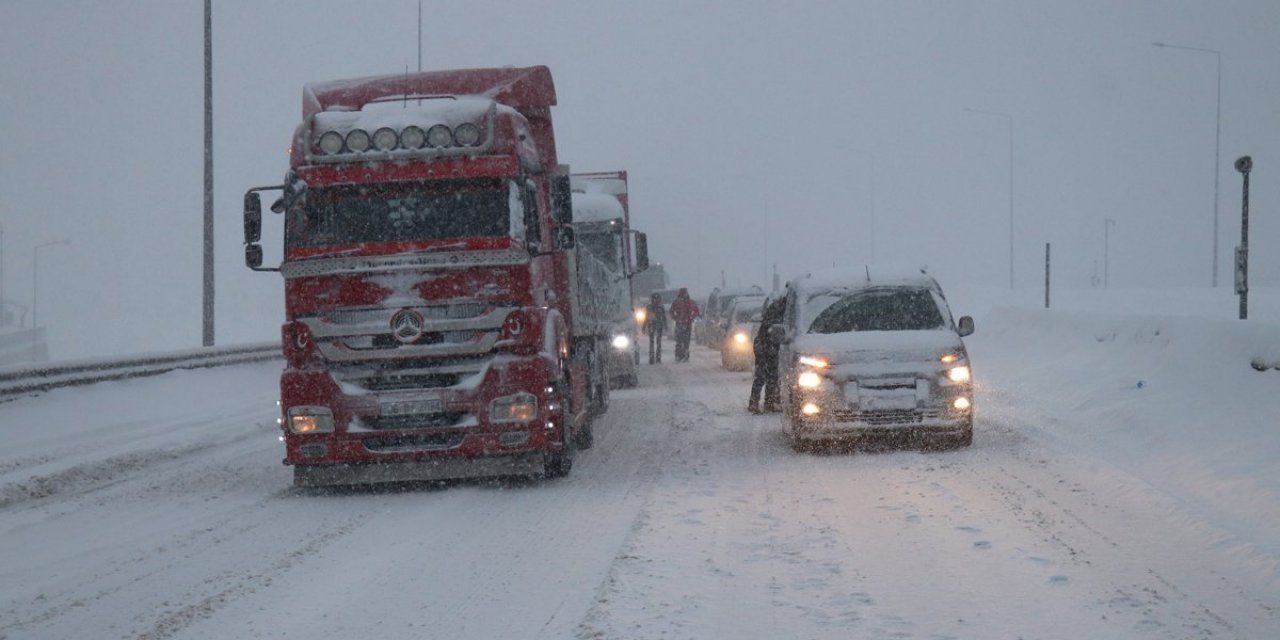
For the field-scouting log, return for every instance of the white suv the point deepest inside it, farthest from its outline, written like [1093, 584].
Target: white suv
[873, 353]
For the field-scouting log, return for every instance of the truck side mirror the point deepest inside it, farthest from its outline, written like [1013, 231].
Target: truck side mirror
[561, 199]
[253, 255]
[565, 237]
[252, 218]
[966, 326]
[642, 252]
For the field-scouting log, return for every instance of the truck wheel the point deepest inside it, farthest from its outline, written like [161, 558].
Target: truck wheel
[586, 436]
[560, 463]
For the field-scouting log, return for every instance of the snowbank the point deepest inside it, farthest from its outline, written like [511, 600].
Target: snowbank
[1169, 398]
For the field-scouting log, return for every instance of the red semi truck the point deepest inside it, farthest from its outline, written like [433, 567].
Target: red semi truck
[439, 321]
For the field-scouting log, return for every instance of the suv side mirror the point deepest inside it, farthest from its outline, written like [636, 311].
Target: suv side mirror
[966, 326]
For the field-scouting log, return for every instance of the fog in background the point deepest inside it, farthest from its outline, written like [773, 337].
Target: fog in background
[755, 133]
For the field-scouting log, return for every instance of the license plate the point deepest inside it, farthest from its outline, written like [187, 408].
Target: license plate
[888, 400]
[409, 408]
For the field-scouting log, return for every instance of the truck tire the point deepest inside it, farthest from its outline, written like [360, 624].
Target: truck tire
[586, 436]
[558, 464]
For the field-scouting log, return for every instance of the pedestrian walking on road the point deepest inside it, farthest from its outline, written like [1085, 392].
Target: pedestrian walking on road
[684, 311]
[766, 353]
[655, 324]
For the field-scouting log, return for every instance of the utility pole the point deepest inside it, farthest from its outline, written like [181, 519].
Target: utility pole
[3, 317]
[1244, 164]
[1106, 252]
[208, 174]
[1046, 275]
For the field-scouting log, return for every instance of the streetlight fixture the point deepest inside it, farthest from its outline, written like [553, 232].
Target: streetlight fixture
[1217, 142]
[1008, 118]
[35, 290]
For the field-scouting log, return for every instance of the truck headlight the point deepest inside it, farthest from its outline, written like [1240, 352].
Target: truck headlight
[521, 407]
[958, 374]
[809, 380]
[309, 419]
[621, 342]
[740, 338]
[330, 143]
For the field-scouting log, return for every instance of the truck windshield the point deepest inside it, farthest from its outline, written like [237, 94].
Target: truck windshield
[602, 244]
[886, 309]
[400, 212]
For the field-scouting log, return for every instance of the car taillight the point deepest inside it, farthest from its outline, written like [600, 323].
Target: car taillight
[299, 344]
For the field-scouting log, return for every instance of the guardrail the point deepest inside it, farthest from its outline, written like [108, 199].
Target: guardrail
[19, 381]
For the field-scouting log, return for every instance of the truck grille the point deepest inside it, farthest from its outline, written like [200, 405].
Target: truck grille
[421, 421]
[456, 311]
[406, 376]
[416, 442]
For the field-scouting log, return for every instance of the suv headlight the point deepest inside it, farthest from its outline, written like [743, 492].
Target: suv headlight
[816, 363]
[958, 374]
[809, 380]
[621, 342]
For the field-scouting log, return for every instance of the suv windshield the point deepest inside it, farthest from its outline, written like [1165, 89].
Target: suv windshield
[889, 309]
[750, 313]
[400, 212]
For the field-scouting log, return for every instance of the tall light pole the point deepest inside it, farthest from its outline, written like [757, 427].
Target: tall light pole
[1008, 118]
[35, 290]
[2, 316]
[1217, 143]
[208, 175]
[1106, 252]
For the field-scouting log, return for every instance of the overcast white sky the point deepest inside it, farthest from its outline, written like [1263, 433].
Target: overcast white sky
[754, 133]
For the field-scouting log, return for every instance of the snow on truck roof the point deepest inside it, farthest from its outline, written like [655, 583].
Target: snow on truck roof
[875, 275]
[519, 87]
[596, 207]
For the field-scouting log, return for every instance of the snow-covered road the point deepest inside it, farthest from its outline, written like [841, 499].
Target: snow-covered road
[158, 509]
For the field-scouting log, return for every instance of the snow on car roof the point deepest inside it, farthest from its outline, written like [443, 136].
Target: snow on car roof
[875, 275]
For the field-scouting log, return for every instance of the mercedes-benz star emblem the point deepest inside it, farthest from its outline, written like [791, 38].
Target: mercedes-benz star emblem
[406, 326]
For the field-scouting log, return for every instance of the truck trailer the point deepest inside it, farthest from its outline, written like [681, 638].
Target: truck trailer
[602, 224]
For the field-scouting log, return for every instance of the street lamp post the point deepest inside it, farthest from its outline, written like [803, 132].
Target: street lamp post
[1106, 252]
[1008, 118]
[35, 289]
[1217, 143]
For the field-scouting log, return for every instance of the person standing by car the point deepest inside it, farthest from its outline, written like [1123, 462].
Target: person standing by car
[655, 324]
[684, 311]
[766, 350]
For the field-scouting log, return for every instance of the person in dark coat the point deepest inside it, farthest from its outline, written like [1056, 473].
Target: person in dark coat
[655, 324]
[684, 311]
[766, 353]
